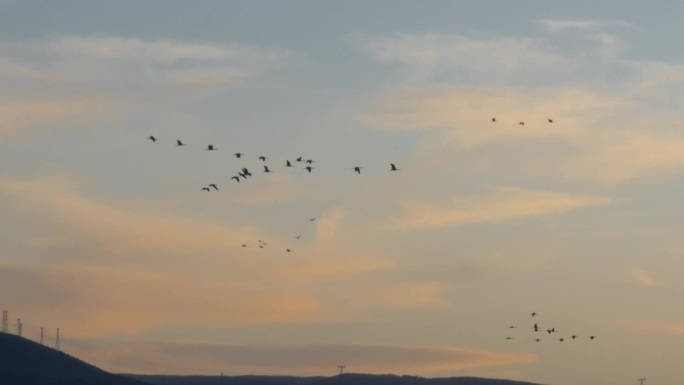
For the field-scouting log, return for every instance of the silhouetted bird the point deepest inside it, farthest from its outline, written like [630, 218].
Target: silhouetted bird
[288, 250]
[246, 171]
[288, 164]
[262, 158]
[299, 159]
[592, 337]
[237, 179]
[243, 245]
[298, 236]
[238, 154]
[522, 123]
[511, 327]
[393, 167]
[214, 186]
[179, 143]
[536, 328]
[534, 314]
[312, 219]
[152, 138]
[309, 168]
[493, 119]
[357, 170]
[549, 331]
[205, 189]
[210, 147]
[574, 336]
[309, 161]
[261, 246]
[550, 120]
[561, 339]
[537, 340]
[509, 338]
[266, 169]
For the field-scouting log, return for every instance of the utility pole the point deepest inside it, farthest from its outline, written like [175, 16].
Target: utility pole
[641, 381]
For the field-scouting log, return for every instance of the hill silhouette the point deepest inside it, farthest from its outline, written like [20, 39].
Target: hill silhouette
[344, 379]
[24, 362]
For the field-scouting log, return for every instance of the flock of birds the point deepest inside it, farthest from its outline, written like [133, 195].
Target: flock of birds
[535, 328]
[244, 173]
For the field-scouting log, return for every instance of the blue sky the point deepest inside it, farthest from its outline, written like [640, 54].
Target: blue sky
[422, 271]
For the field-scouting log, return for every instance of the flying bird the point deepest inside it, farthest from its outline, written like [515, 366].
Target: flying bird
[394, 168]
[312, 219]
[509, 338]
[574, 336]
[263, 158]
[534, 314]
[357, 170]
[592, 337]
[298, 236]
[266, 169]
[536, 328]
[210, 147]
[299, 159]
[152, 138]
[237, 179]
[246, 172]
[288, 164]
[522, 123]
[288, 250]
[537, 340]
[309, 168]
[214, 186]
[238, 154]
[493, 119]
[243, 245]
[561, 339]
[179, 143]
[550, 120]
[205, 189]
[511, 327]
[309, 161]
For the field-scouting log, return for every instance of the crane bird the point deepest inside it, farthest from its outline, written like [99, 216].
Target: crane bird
[394, 168]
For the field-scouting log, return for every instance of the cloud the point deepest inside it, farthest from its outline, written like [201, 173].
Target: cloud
[190, 357]
[644, 279]
[659, 327]
[76, 79]
[504, 205]
[556, 25]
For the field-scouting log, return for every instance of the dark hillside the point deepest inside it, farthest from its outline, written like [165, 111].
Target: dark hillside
[24, 362]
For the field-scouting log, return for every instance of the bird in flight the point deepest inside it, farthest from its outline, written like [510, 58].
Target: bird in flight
[394, 168]
[536, 328]
[243, 245]
[262, 158]
[357, 169]
[237, 178]
[534, 314]
[238, 154]
[522, 123]
[309, 168]
[312, 219]
[574, 336]
[537, 340]
[152, 138]
[309, 161]
[509, 338]
[214, 186]
[210, 147]
[179, 143]
[592, 337]
[561, 339]
[288, 250]
[288, 164]
[266, 169]
[246, 172]
[205, 189]
[550, 120]
[493, 119]
[299, 159]
[511, 327]
[298, 236]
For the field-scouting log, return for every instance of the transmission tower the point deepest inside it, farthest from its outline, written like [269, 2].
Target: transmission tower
[641, 381]
[42, 337]
[57, 340]
[19, 327]
[341, 368]
[5, 316]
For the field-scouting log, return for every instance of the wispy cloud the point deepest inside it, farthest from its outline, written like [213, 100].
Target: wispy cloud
[200, 357]
[504, 205]
[644, 279]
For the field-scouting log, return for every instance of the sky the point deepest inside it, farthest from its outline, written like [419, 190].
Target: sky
[108, 236]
